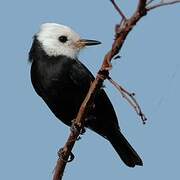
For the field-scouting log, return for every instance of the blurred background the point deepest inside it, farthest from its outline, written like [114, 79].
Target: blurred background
[30, 134]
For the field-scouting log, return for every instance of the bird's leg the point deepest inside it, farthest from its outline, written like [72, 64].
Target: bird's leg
[78, 128]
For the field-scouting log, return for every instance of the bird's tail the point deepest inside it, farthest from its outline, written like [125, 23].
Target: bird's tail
[125, 150]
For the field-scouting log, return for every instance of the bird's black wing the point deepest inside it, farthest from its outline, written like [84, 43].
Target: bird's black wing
[80, 75]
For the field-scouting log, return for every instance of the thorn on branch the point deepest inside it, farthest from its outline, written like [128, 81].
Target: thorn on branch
[117, 57]
[118, 27]
[78, 138]
[133, 94]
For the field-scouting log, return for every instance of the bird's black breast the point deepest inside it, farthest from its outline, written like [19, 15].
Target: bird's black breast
[63, 83]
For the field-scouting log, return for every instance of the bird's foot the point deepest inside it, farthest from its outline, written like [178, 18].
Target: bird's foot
[61, 156]
[75, 128]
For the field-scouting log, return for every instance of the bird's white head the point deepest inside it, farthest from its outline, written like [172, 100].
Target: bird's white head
[58, 40]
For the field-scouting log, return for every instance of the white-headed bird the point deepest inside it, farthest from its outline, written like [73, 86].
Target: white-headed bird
[62, 81]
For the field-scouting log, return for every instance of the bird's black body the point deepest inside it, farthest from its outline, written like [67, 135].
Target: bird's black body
[63, 83]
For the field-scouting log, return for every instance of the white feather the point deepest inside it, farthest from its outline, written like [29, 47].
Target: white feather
[49, 35]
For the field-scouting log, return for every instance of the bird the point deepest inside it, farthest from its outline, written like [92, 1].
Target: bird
[63, 81]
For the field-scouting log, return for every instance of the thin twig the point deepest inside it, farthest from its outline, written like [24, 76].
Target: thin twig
[149, 2]
[118, 9]
[162, 4]
[130, 97]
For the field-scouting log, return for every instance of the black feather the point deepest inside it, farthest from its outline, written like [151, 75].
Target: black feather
[63, 83]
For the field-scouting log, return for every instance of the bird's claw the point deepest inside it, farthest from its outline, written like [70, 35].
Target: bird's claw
[78, 138]
[60, 155]
[75, 128]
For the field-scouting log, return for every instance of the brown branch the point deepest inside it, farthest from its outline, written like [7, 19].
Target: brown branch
[79, 123]
[162, 4]
[118, 9]
[63, 157]
[141, 6]
[120, 35]
[130, 99]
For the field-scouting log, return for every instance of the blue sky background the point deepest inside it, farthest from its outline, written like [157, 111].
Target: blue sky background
[30, 135]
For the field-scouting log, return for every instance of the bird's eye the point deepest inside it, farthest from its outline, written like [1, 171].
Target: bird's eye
[63, 39]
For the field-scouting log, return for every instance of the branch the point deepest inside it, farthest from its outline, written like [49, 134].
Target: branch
[141, 5]
[121, 32]
[120, 36]
[118, 9]
[78, 124]
[162, 3]
[130, 97]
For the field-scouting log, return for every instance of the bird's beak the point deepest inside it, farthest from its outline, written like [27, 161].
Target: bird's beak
[86, 42]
